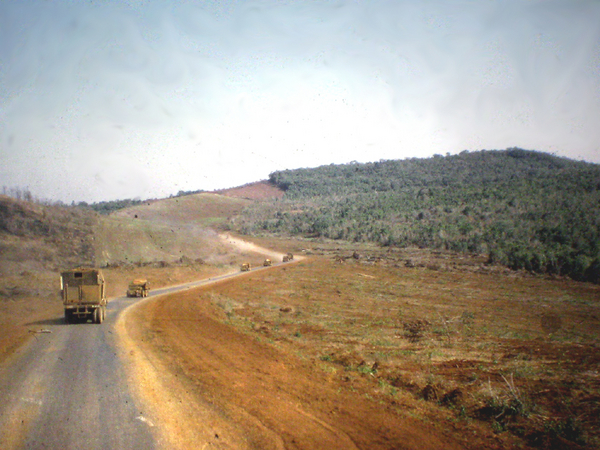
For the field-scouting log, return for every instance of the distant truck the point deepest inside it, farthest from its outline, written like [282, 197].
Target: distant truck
[268, 262]
[84, 295]
[245, 267]
[138, 288]
[288, 257]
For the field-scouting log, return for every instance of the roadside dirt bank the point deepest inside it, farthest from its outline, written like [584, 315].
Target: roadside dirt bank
[211, 386]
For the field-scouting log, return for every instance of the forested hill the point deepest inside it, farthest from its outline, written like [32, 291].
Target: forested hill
[477, 171]
[526, 209]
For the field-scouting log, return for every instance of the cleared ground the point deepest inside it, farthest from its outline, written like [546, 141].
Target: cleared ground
[210, 384]
[382, 350]
[352, 346]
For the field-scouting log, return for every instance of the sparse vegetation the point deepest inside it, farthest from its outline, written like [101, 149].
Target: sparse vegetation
[478, 346]
[42, 236]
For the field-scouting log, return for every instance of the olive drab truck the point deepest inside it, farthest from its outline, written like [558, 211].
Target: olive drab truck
[138, 288]
[83, 293]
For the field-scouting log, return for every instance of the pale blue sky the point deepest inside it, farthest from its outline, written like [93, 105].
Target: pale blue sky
[104, 100]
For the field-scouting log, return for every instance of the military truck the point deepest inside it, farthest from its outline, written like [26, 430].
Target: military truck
[245, 267]
[138, 288]
[268, 262]
[83, 293]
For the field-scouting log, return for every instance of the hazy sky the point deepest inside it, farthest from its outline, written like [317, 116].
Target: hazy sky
[103, 100]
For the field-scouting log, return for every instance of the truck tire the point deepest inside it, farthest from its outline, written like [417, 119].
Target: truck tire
[97, 316]
[68, 316]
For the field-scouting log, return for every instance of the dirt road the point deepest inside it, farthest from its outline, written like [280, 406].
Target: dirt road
[249, 247]
[66, 389]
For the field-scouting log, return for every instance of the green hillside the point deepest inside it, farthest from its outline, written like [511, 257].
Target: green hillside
[525, 209]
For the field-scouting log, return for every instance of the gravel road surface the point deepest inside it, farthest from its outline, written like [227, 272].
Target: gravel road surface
[67, 388]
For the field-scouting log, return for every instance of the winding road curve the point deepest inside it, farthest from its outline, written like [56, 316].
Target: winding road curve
[67, 388]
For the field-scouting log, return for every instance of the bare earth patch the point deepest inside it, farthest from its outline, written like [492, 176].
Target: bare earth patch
[251, 394]
[382, 349]
[261, 190]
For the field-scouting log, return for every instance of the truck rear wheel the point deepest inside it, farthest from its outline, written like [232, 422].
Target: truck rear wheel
[97, 316]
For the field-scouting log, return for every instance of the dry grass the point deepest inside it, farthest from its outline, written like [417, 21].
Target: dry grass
[198, 209]
[516, 354]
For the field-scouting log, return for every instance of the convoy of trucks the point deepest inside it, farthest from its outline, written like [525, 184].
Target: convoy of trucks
[83, 291]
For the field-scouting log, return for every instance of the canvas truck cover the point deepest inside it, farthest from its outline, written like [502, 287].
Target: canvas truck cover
[82, 286]
[138, 282]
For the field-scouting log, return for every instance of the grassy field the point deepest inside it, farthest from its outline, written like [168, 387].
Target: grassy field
[440, 337]
[167, 230]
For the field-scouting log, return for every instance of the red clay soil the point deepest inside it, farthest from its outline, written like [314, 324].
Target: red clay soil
[271, 398]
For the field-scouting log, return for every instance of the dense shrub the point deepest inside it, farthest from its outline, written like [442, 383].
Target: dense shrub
[528, 210]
